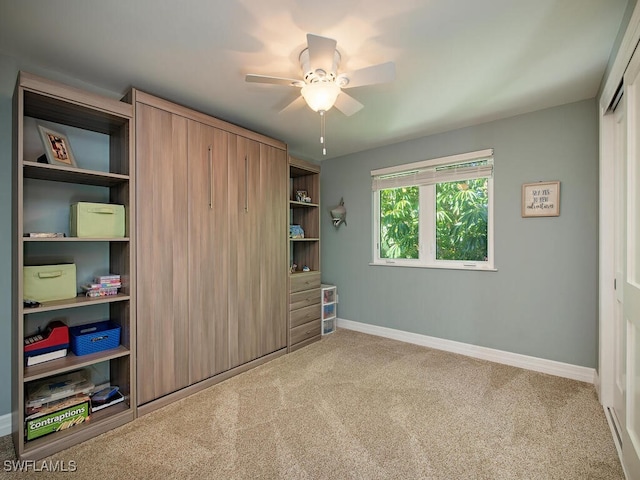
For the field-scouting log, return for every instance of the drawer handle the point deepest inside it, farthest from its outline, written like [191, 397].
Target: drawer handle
[57, 273]
[246, 183]
[210, 178]
[104, 210]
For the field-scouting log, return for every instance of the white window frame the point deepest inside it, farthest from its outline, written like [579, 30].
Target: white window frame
[427, 229]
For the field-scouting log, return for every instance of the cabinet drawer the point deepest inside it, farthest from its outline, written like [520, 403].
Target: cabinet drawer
[304, 298]
[304, 315]
[304, 281]
[303, 332]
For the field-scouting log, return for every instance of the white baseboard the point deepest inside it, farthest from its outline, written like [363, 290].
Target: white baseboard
[566, 370]
[5, 425]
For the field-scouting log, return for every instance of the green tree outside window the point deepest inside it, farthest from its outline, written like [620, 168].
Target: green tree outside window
[399, 222]
[461, 221]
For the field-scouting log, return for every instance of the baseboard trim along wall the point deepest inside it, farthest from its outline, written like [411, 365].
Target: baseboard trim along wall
[5, 425]
[551, 367]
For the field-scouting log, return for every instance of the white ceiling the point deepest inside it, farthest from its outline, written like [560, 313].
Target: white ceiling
[458, 62]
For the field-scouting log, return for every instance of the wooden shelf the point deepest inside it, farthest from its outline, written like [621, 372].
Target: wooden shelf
[296, 204]
[74, 239]
[71, 106]
[304, 309]
[72, 362]
[57, 173]
[79, 301]
[40, 100]
[302, 170]
[100, 422]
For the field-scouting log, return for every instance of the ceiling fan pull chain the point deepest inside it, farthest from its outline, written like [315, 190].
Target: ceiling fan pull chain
[322, 133]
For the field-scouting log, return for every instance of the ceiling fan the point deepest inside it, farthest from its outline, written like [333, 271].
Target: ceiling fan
[321, 85]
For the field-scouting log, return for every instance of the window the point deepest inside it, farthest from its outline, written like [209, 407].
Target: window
[436, 213]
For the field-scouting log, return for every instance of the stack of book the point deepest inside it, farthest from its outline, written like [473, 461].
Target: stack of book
[105, 398]
[103, 285]
[57, 403]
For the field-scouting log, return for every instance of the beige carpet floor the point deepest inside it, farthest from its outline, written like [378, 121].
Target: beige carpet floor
[356, 406]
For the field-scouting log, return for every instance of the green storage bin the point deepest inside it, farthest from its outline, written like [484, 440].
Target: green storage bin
[97, 220]
[45, 283]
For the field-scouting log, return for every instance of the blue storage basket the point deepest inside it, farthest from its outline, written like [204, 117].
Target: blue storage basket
[94, 337]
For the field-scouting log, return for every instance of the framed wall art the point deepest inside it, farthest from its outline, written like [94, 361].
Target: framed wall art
[56, 147]
[541, 199]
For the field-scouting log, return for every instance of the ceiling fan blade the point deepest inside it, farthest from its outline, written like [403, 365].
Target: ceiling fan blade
[291, 82]
[297, 103]
[381, 73]
[347, 104]
[321, 52]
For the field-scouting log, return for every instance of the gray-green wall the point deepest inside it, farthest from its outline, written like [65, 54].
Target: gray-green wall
[7, 82]
[543, 300]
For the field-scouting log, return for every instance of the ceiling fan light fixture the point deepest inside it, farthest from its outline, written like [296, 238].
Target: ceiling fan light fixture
[320, 96]
[322, 84]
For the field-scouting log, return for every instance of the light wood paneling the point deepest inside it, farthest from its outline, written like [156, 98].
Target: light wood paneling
[208, 251]
[207, 120]
[305, 315]
[304, 286]
[236, 227]
[163, 329]
[57, 173]
[305, 331]
[305, 298]
[273, 248]
[70, 101]
[245, 230]
[257, 300]
[304, 281]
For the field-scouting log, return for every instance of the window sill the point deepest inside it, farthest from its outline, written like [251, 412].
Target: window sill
[441, 267]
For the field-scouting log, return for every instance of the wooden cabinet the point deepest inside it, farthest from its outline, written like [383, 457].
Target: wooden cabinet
[258, 252]
[208, 268]
[304, 254]
[230, 230]
[162, 188]
[244, 279]
[98, 131]
[273, 251]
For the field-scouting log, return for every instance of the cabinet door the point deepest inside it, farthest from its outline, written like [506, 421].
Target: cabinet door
[246, 261]
[162, 301]
[208, 250]
[273, 247]
[257, 284]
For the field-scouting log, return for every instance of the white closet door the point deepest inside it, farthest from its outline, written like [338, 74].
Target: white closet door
[620, 326]
[631, 275]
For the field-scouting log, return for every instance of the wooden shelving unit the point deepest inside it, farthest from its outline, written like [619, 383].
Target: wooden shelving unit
[103, 130]
[304, 286]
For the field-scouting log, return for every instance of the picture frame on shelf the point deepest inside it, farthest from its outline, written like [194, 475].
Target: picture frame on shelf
[301, 195]
[296, 232]
[541, 199]
[57, 148]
